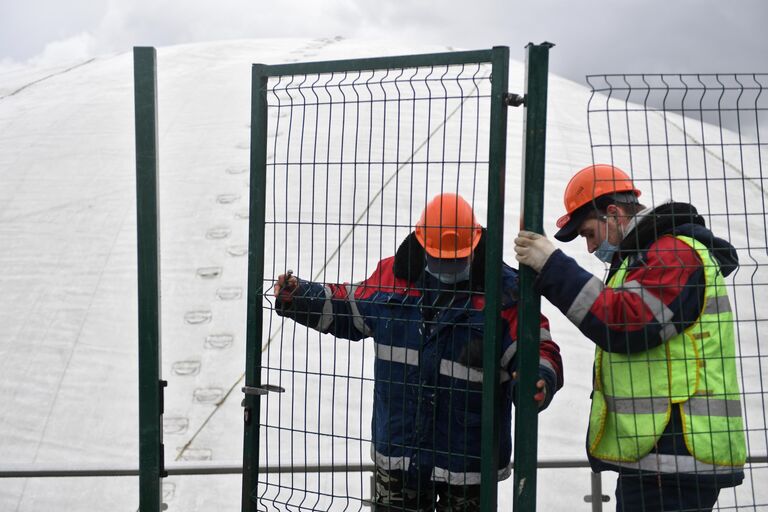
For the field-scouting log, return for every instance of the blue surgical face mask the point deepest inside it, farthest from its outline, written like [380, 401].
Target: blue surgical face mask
[606, 251]
[451, 273]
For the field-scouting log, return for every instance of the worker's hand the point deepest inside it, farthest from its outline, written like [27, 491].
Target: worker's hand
[533, 249]
[541, 390]
[285, 286]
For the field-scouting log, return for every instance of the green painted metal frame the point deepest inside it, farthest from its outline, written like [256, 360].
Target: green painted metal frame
[531, 215]
[497, 156]
[255, 315]
[151, 464]
[499, 58]
[379, 63]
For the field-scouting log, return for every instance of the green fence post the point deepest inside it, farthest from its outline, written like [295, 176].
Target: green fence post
[251, 413]
[493, 259]
[148, 262]
[532, 210]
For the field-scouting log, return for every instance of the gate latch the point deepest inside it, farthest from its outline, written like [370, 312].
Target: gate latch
[257, 391]
[262, 390]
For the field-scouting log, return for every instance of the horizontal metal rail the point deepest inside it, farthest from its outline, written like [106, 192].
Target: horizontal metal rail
[379, 63]
[218, 468]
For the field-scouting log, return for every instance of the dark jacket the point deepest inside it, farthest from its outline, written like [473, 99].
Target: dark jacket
[428, 342]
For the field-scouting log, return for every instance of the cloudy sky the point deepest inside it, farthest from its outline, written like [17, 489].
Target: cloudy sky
[592, 36]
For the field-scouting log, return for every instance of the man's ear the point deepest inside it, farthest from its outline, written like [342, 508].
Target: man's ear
[613, 211]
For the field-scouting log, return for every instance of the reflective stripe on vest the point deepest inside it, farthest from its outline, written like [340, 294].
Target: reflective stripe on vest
[701, 405]
[694, 370]
[664, 463]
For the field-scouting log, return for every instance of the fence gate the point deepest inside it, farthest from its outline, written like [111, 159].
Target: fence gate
[344, 157]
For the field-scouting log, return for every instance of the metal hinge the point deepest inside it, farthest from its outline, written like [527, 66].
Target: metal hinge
[161, 400]
[513, 100]
[603, 498]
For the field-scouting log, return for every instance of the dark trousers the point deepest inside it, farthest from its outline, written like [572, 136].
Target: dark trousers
[394, 493]
[657, 493]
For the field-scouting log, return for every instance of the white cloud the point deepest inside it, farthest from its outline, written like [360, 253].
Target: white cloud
[592, 36]
[79, 47]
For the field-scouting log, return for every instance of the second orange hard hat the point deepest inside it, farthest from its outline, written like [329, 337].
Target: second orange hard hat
[586, 186]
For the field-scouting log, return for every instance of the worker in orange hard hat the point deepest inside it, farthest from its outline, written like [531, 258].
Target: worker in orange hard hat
[665, 403]
[424, 309]
[592, 190]
[449, 233]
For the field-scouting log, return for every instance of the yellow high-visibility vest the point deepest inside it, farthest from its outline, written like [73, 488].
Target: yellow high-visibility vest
[694, 370]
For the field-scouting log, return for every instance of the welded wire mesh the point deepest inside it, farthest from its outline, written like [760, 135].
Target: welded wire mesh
[353, 158]
[700, 140]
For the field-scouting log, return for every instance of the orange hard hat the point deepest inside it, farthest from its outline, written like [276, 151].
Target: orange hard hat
[586, 186]
[448, 228]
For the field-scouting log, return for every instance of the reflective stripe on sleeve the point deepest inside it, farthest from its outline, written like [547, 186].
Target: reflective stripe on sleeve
[326, 318]
[584, 300]
[508, 354]
[357, 318]
[659, 310]
[547, 364]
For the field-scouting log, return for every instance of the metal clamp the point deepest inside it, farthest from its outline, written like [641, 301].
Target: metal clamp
[596, 497]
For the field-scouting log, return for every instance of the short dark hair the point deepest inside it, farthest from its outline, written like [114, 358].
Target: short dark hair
[627, 201]
[632, 208]
[596, 208]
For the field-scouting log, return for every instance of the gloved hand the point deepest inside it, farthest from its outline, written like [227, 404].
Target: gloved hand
[533, 249]
[285, 286]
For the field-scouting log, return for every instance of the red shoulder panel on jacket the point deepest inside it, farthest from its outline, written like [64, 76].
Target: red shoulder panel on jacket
[383, 280]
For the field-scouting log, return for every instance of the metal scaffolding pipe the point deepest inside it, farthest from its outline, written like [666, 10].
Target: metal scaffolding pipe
[218, 468]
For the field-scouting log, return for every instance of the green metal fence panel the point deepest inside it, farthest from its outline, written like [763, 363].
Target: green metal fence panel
[150, 383]
[531, 215]
[345, 155]
[694, 145]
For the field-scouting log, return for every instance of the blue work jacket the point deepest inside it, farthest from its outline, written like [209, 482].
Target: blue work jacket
[428, 371]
